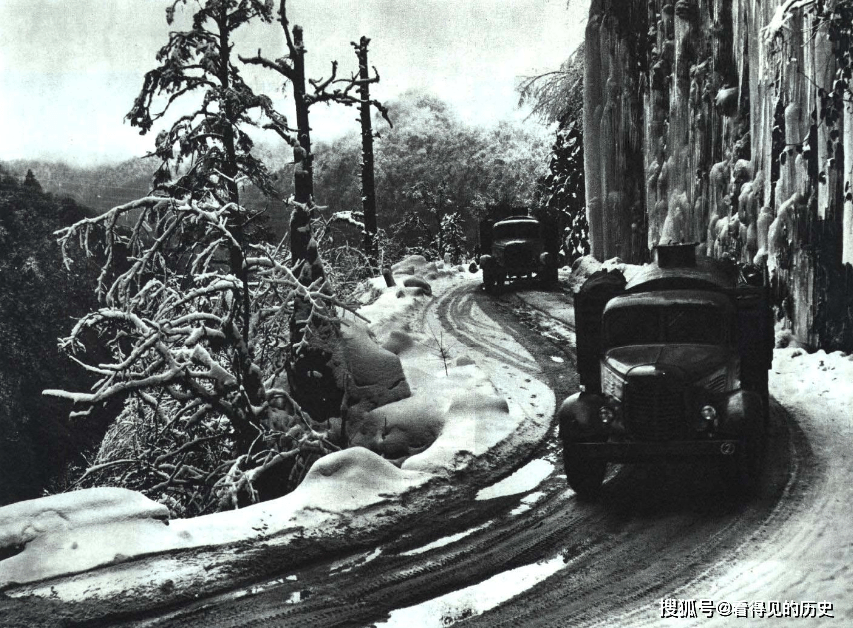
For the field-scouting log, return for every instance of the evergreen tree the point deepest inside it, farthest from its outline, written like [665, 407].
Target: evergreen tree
[37, 297]
[194, 312]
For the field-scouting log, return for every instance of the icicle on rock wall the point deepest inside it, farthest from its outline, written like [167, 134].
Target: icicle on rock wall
[614, 83]
[726, 110]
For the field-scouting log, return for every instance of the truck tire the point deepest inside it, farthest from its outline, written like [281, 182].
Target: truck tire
[584, 476]
[490, 281]
[500, 283]
[548, 277]
[742, 471]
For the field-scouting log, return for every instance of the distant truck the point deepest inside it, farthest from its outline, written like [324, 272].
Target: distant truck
[515, 248]
[673, 365]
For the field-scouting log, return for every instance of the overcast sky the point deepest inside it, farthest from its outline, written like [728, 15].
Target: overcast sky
[69, 69]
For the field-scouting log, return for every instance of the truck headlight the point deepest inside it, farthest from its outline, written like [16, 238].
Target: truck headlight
[611, 384]
[606, 414]
[708, 413]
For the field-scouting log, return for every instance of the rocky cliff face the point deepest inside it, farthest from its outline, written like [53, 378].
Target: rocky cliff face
[727, 122]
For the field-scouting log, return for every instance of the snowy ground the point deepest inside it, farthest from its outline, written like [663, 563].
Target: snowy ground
[809, 558]
[806, 557]
[454, 416]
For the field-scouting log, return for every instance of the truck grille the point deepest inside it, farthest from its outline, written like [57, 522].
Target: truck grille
[519, 257]
[654, 409]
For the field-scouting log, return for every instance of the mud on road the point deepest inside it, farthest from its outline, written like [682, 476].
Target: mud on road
[656, 530]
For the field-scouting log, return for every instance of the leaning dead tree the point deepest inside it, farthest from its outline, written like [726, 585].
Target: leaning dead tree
[311, 373]
[194, 313]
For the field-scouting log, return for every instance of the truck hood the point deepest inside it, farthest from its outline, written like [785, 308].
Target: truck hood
[515, 242]
[692, 361]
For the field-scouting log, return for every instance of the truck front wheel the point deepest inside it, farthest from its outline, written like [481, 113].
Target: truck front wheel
[742, 471]
[549, 277]
[489, 280]
[584, 475]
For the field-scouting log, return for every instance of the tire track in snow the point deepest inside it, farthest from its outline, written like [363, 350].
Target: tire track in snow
[655, 531]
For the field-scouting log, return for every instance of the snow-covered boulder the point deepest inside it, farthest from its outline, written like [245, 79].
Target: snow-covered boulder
[414, 265]
[418, 265]
[418, 282]
[375, 374]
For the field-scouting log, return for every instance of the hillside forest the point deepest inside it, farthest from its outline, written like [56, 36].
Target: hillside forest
[181, 309]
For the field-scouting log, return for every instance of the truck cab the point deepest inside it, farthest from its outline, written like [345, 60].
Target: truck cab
[673, 365]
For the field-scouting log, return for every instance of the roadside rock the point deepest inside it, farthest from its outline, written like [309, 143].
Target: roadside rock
[417, 282]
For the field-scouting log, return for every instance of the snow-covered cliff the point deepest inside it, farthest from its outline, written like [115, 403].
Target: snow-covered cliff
[727, 122]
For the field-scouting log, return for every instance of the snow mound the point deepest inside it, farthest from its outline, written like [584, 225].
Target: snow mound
[463, 407]
[347, 476]
[376, 374]
[450, 416]
[414, 265]
[76, 531]
[587, 265]
[26, 521]
[419, 266]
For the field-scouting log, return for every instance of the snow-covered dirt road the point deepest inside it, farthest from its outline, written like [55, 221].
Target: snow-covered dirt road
[523, 552]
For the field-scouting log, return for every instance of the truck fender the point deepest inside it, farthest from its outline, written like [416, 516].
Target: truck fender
[578, 416]
[547, 259]
[743, 412]
[487, 262]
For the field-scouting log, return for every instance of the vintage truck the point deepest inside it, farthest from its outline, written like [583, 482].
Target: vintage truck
[673, 365]
[515, 248]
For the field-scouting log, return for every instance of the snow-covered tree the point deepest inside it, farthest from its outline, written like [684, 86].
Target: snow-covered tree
[557, 97]
[561, 195]
[440, 230]
[197, 316]
[309, 368]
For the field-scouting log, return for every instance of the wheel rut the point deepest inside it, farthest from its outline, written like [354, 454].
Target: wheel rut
[654, 531]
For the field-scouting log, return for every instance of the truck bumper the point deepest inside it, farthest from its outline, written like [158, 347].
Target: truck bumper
[649, 451]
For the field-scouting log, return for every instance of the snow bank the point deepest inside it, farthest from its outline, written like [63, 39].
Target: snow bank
[417, 265]
[445, 421]
[431, 415]
[69, 532]
[815, 383]
[587, 265]
[81, 530]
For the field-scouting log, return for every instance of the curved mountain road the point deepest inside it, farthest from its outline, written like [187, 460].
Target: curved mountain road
[656, 530]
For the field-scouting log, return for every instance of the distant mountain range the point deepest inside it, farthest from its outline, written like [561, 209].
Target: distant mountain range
[101, 188]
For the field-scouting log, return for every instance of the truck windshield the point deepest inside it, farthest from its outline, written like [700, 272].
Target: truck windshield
[652, 325]
[519, 230]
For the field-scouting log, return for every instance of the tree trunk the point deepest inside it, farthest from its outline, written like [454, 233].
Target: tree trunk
[249, 380]
[368, 188]
[303, 168]
[309, 368]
